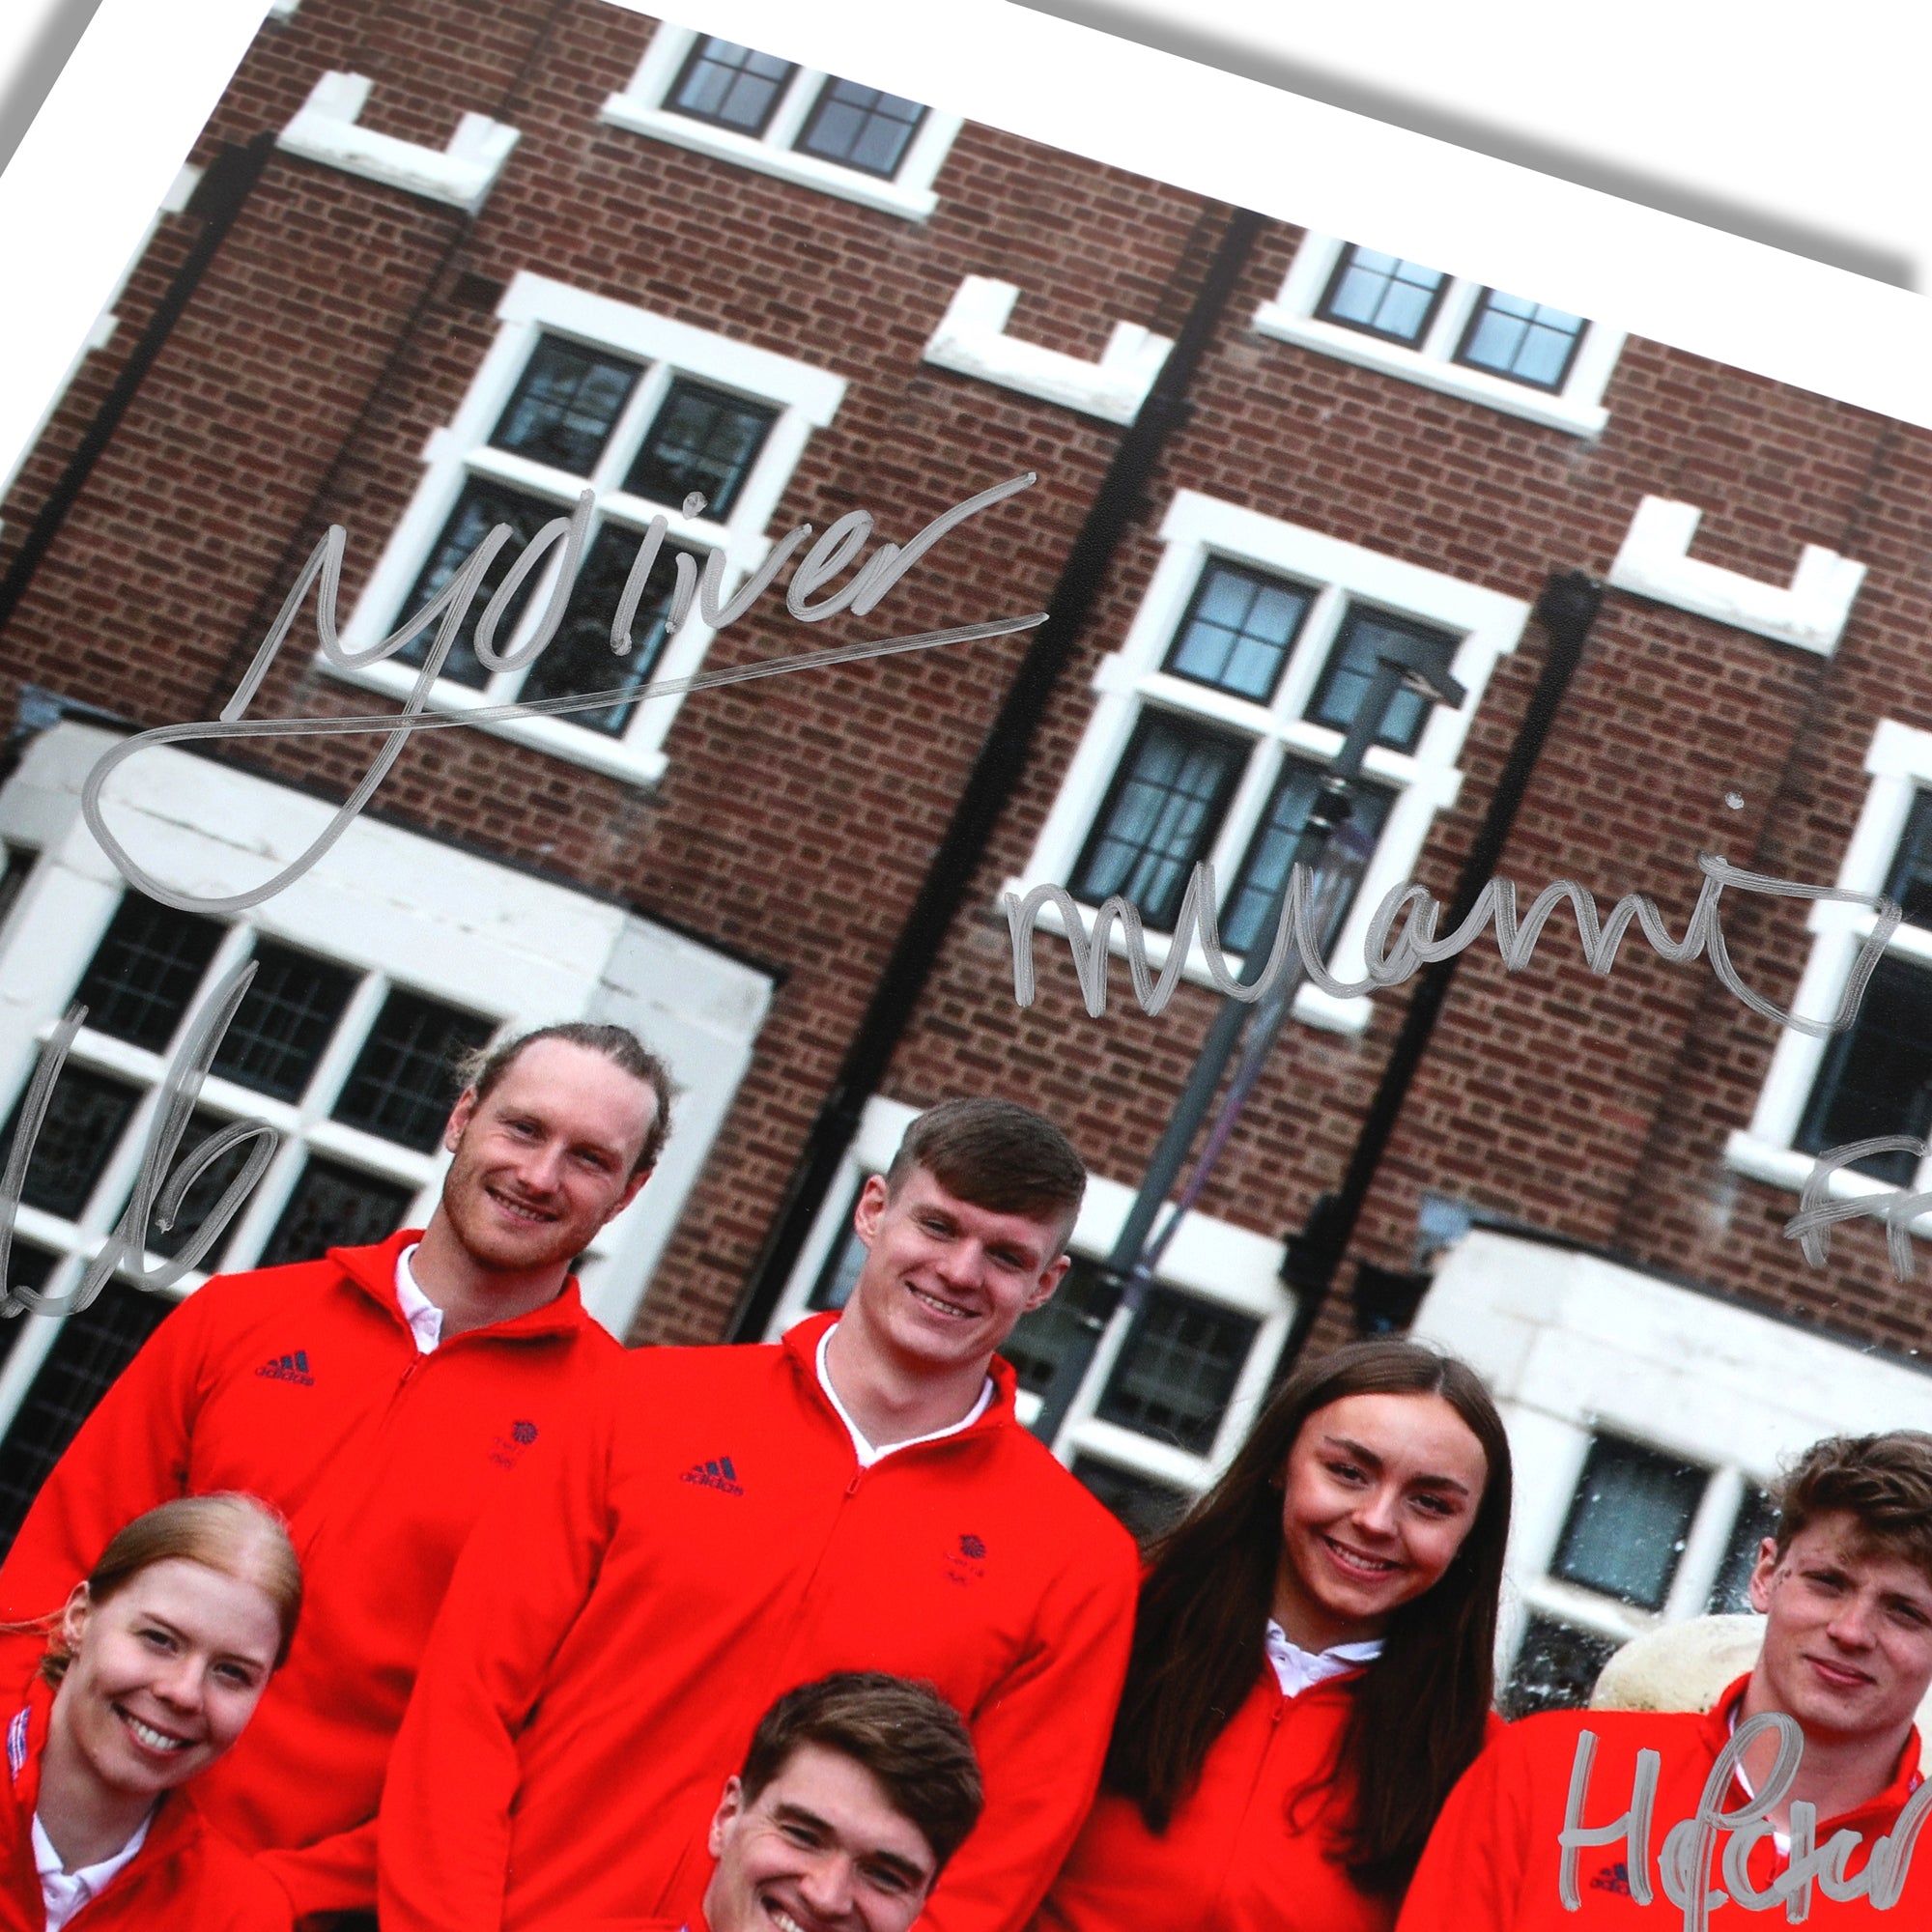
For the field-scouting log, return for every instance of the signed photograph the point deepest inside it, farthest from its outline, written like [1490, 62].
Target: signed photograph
[1215, 948]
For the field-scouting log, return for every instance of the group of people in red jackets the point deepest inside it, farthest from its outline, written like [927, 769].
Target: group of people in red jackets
[388, 1588]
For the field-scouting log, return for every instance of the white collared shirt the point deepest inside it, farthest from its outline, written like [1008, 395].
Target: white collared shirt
[870, 1453]
[1297, 1670]
[65, 1892]
[424, 1316]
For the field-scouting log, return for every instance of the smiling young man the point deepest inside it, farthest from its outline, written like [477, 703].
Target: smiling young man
[1544, 1831]
[726, 1521]
[379, 1397]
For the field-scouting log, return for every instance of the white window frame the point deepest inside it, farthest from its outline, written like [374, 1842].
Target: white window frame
[1197, 530]
[1210, 1259]
[1576, 407]
[535, 306]
[1899, 764]
[641, 109]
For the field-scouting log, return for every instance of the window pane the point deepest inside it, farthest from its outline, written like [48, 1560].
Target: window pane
[1757, 1518]
[1351, 663]
[580, 658]
[1042, 1342]
[702, 439]
[478, 510]
[201, 1195]
[733, 86]
[1556, 1668]
[404, 1082]
[334, 1207]
[1146, 1507]
[1627, 1522]
[147, 969]
[1239, 631]
[1160, 817]
[1176, 1374]
[1526, 341]
[21, 861]
[1271, 852]
[93, 1346]
[839, 1275]
[566, 404]
[1877, 1077]
[861, 127]
[1383, 294]
[27, 1266]
[1911, 880]
[87, 1114]
[285, 1021]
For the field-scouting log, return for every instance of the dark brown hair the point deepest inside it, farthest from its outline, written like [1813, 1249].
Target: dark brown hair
[995, 1155]
[483, 1068]
[234, 1534]
[903, 1732]
[1883, 1482]
[1419, 1713]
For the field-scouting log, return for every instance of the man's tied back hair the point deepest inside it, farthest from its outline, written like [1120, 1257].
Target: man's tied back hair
[911, 1740]
[485, 1066]
[1883, 1482]
[995, 1155]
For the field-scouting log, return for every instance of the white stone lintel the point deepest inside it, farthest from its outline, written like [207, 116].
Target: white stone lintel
[971, 339]
[1811, 612]
[461, 174]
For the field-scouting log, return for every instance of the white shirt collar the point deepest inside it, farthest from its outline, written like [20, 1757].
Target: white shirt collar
[424, 1316]
[63, 1893]
[1297, 1670]
[870, 1453]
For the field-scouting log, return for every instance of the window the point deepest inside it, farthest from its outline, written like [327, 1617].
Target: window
[818, 131]
[1146, 1508]
[1176, 1375]
[651, 415]
[1876, 1077]
[1757, 1518]
[1556, 1668]
[1239, 677]
[1446, 332]
[1627, 1522]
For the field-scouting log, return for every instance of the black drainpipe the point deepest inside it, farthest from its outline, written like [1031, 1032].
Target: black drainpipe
[1567, 609]
[218, 199]
[1001, 759]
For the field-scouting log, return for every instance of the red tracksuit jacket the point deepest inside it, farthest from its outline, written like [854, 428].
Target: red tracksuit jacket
[185, 1876]
[1247, 1850]
[708, 1540]
[303, 1386]
[1493, 1862]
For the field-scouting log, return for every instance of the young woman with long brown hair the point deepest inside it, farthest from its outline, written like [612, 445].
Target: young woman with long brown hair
[1313, 1662]
[154, 1667]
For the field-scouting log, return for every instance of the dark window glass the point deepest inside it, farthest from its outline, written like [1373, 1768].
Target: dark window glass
[861, 127]
[27, 1266]
[1239, 631]
[19, 869]
[580, 658]
[482, 505]
[404, 1080]
[1757, 1518]
[93, 1346]
[1383, 294]
[1343, 682]
[839, 1275]
[1556, 1668]
[1161, 815]
[702, 439]
[1911, 880]
[1146, 1507]
[334, 1207]
[730, 85]
[145, 973]
[1042, 1342]
[206, 1188]
[1271, 851]
[87, 1114]
[285, 1021]
[1528, 342]
[1628, 1522]
[1877, 1076]
[566, 405]
[1176, 1373]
